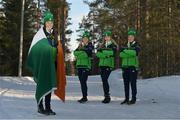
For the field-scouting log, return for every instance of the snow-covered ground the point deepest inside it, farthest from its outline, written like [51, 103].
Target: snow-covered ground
[158, 98]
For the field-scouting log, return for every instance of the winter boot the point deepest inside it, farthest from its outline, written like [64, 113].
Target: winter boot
[106, 100]
[49, 112]
[83, 100]
[41, 110]
[126, 101]
[133, 101]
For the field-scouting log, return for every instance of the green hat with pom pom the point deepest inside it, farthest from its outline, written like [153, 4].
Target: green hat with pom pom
[48, 16]
[107, 33]
[132, 32]
[86, 34]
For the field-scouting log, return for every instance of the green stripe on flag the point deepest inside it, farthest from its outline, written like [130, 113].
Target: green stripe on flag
[41, 63]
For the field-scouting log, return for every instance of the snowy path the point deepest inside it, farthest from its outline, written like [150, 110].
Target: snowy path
[157, 98]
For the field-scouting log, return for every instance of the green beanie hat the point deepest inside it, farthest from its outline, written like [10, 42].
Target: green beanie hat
[48, 16]
[132, 32]
[86, 34]
[107, 33]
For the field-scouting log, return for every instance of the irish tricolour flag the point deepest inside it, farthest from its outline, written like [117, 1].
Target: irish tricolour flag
[41, 63]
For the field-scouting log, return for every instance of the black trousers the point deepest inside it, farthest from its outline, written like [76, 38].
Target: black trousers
[83, 76]
[130, 79]
[47, 101]
[105, 72]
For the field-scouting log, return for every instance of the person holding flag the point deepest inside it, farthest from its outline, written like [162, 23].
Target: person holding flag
[44, 58]
[130, 64]
[106, 54]
[83, 55]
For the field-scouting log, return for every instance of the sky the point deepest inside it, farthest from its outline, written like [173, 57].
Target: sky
[78, 10]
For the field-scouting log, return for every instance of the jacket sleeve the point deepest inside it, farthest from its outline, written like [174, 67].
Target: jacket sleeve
[100, 55]
[137, 48]
[123, 55]
[80, 54]
[128, 53]
[108, 53]
[76, 53]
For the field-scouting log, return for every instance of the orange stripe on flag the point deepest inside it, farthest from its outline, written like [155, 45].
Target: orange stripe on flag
[61, 74]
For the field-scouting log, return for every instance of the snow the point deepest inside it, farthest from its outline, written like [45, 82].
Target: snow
[158, 98]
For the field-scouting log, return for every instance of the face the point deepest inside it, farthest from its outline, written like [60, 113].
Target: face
[107, 38]
[85, 40]
[130, 38]
[49, 25]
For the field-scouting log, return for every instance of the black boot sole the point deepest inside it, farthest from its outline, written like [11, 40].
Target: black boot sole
[131, 103]
[106, 102]
[82, 102]
[42, 113]
[126, 103]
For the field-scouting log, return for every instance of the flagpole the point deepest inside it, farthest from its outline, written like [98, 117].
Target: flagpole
[21, 40]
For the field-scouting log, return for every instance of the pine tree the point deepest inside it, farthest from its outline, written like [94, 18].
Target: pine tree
[157, 26]
[31, 18]
[11, 35]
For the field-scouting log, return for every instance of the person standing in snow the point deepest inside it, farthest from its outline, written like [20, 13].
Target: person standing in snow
[130, 64]
[83, 56]
[106, 54]
[41, 62]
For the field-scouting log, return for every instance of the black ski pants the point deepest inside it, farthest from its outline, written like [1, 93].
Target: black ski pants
[105, 73]
[130, 80]
[83, 76]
